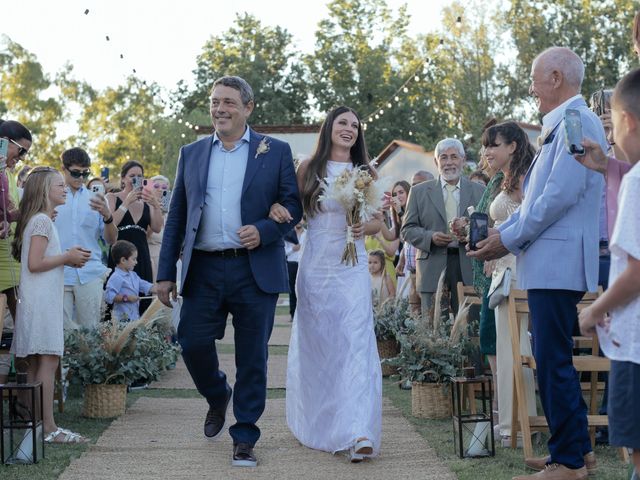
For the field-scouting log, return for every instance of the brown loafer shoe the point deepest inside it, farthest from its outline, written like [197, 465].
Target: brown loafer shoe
[555, 471]
[540, 462]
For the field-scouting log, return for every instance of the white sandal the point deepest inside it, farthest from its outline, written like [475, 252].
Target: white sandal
[355, 457]
[69, 437]
[363, 447]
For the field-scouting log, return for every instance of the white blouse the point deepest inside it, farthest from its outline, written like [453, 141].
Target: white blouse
[622, 342]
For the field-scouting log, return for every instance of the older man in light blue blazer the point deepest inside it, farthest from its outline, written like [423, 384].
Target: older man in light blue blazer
[555, 237]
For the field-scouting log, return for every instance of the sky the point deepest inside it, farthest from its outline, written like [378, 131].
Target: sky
[160, 38]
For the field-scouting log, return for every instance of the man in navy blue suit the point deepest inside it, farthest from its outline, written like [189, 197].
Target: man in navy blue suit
[233, 257]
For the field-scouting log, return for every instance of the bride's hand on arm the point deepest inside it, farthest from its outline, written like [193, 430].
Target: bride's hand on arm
[279, 214]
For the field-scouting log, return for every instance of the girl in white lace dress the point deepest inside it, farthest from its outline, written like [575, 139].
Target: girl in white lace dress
[38, 335]
[334, 380]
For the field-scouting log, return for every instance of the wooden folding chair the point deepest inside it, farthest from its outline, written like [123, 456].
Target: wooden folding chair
[521, 421]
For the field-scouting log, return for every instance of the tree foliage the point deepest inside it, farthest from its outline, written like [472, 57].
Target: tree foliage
[599, 31]
[26, 96]
[416, 88]
[262, 55]
[129, 123]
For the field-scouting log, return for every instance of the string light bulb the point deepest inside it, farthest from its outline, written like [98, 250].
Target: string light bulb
[405, 90]
[381, 111]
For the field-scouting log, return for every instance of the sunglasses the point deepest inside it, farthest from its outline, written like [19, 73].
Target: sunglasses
[21, 150]
[78, 173]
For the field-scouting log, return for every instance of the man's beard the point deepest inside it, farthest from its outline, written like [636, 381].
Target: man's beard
[451, 176]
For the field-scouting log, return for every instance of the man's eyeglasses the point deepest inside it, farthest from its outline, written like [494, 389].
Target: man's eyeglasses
[21, 150]
[78, 173]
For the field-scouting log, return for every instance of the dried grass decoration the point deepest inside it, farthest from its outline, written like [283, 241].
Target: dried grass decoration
[361, 196]
[119, 352]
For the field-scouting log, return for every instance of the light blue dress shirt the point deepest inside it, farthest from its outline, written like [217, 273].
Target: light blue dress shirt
[122, 282]
[78, 224]
[221, 215]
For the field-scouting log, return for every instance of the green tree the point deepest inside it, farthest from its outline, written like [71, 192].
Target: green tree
[597, 30]
[465, 69]
[26, 95]
[356, 64]
[265, 58]
[129, 123]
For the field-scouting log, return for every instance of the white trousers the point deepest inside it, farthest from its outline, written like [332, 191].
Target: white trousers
[83, 304]
[504, 367]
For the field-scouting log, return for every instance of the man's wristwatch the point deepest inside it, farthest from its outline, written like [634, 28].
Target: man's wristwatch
[125, 298]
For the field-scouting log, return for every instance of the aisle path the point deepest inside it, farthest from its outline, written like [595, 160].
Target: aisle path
[160, 438]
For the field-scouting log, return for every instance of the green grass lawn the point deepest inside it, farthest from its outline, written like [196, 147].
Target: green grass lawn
[507, 462]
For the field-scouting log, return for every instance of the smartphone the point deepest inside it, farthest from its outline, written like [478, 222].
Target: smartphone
[137, 183]
[165, 198]
[4, 149]
[97, 188]
[573, 132]
[104, 173]
[478, 229]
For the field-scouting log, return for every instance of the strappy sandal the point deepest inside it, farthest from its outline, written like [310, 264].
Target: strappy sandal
[67, 437]
[362, 449]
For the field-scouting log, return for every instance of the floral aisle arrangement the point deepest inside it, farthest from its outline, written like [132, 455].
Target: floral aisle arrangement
[389, 319]
[106, 358]
[431, 353]
[360, 195]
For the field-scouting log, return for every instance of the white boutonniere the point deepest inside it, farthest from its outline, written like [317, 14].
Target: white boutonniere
[543, 137]
[263, 147]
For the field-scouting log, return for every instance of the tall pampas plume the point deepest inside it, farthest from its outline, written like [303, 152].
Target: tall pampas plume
[437, 302]
[460, 324]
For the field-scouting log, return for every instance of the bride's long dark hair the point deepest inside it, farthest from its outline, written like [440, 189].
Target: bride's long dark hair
[317, 167]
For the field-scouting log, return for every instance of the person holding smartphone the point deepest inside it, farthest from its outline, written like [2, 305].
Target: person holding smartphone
[160, 187]
[135, 212]
[18, 142]
[84, 219]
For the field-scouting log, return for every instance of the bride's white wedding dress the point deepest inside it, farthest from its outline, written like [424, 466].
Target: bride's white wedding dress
[334, 381]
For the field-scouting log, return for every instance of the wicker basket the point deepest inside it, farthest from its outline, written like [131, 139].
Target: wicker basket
[388, 349]
[104, 401]
[430, 400]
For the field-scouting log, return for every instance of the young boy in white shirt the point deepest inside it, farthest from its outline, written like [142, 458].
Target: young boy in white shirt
[620, 339]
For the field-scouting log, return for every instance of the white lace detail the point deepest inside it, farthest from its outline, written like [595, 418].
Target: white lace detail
[39, 317]
[41, 225]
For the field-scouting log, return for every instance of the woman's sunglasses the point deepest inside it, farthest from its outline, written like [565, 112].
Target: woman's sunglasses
[21, 150]
[79, 173]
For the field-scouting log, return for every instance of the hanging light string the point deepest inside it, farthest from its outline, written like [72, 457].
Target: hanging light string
[403, 89]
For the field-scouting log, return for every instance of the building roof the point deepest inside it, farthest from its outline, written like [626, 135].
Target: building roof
[393, 146]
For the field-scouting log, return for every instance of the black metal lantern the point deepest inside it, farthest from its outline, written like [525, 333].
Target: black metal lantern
[22, 439]
[472, 428]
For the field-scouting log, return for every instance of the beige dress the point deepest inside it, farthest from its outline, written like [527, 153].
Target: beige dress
[500, 210]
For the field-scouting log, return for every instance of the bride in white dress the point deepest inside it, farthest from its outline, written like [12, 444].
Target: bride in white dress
[334, 381]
